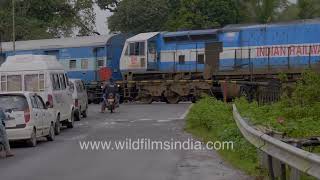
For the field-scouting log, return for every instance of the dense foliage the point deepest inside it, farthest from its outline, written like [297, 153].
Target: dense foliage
[297, 115]
[202, 14]
[37, 19]
[137, 16]
[156, 15]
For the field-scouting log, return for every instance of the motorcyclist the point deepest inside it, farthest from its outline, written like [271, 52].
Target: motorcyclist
[3, 134]
[110, 87]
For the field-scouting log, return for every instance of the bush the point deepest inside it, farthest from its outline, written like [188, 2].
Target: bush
[296, 116]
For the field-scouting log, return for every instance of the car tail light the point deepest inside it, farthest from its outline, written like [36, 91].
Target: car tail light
[27, 115]
[50, 100]
[76, 102]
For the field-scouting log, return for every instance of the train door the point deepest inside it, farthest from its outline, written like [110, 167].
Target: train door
[182, 58]
[212, 57]
[99, 60]
[153, 61]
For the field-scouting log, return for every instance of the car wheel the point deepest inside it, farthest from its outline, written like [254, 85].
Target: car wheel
[51, 134]
[2, 151]
[71, 122]
[57, 127]
[32, 142]
[85, 113]
[77, 116]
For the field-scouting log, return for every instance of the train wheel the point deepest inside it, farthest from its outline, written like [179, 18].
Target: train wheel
[146, 100]
[174, 99]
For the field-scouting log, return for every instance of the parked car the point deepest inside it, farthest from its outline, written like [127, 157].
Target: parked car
[80, 98]
[43, 75]
[27, 117]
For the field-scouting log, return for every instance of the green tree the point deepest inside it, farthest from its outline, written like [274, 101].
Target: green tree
[137, 16]
[303, 9]
[38, 19]
[308, 9]
[198, 14]
[156, 15]
[261, 11]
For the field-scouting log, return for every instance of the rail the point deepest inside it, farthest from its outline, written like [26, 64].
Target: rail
[299, 159]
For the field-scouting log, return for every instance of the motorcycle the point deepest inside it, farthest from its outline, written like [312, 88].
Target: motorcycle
[110, 102]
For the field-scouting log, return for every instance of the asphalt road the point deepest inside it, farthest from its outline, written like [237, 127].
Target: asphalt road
[64, 159]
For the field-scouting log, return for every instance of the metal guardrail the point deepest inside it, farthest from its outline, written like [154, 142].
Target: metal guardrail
[299, 159]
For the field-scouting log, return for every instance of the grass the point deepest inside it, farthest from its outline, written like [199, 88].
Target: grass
[297, 115]
[212, 120]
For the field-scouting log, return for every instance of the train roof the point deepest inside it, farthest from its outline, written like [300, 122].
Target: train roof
[142, 37]
[83, 41]
[190, 33]
[238, 27]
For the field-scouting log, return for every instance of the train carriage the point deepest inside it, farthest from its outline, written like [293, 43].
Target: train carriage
[90, 58]
[83, 57]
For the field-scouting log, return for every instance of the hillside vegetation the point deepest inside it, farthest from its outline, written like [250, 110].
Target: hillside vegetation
[296, 116]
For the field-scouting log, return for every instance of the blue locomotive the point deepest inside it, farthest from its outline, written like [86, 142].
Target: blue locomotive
[232, 49]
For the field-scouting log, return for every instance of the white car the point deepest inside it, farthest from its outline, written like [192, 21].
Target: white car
[43, 75]
[80, 98]
[27, 117]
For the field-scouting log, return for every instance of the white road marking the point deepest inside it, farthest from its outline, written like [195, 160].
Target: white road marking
[168, 120]
[184, 115]
[144, 119]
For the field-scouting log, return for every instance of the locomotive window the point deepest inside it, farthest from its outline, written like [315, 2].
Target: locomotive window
[200, 58]
[181, 59]
[131, 49]
[141, 48]
[137, 49]
[72, 64]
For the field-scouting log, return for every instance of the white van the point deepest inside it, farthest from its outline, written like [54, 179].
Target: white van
[45, 76]
[80, 98]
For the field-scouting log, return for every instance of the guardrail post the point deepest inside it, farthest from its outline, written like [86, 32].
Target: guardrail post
[283, 171]
[295, 173]
[270, 167]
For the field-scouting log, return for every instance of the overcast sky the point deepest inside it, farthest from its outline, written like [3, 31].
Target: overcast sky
[101, 19]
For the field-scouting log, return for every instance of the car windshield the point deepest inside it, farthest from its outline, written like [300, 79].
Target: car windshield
[13, 102]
